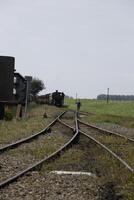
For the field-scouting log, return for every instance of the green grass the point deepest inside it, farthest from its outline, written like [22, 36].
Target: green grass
[121, 108]
[19, 128]
[117, 112]
[121, 113]
[110, 169]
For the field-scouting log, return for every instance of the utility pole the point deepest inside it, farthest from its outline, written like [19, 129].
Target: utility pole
[45, 113]
[76, 100]
[26, 99]
[107, 95]
[76, 97]
[28, 91]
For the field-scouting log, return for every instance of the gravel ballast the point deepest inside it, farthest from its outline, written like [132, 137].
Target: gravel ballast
[27, 154]
[52, 187]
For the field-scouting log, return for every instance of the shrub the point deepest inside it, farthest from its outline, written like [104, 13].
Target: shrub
[8, 115]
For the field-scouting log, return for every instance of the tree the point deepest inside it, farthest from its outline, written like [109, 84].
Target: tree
[37, 85]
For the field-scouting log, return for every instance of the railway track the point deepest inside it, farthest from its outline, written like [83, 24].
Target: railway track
[106, 132]
[77, 129]
[120, 145]
[111, 142]
[38, 163]
[32, 137]
[117, 129]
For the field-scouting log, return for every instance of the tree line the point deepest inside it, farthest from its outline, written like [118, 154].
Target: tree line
[116, 97]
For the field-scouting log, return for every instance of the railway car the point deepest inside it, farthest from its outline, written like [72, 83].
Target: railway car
[55, 98]
[44, 99]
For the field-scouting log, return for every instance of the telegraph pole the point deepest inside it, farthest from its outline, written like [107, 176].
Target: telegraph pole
[107, 95]
[76, 97]
[45, 113]
[26, 99]
[76, 100]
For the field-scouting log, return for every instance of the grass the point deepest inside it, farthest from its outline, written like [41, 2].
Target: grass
[70, 157]
[118, 112]
[16, 129]
[41, 147]
[121, 113]
[121, 108]
[92, 158]
[120, 146]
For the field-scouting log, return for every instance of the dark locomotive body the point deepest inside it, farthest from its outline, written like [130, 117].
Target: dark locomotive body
[55, 98]
[6, 78]
[13, 86]
[58, 98]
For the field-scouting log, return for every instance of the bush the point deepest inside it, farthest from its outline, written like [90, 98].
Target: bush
[8, 115]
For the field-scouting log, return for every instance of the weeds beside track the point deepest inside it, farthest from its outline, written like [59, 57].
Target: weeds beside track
[39, 163]
[111, 138]
[99, 162]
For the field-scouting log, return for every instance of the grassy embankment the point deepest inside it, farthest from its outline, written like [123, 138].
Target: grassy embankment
[18, 128]
[118, 112]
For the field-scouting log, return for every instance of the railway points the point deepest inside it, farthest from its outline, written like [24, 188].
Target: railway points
[91, 136]
[55, 154]
[79, 154]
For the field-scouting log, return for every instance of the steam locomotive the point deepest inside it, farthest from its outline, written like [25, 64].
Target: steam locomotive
[56, 98]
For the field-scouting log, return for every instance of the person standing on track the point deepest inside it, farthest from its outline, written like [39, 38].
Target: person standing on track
[78, 105]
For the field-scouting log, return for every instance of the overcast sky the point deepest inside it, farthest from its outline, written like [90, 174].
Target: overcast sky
[82, 46]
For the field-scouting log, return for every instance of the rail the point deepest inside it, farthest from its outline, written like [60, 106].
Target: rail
[34, 136]
[103, 146]
[106, 131]
[39, 163]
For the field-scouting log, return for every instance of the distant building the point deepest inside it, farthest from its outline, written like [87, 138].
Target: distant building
[116, 97]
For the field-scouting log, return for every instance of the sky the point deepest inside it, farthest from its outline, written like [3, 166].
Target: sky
[75, 46]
